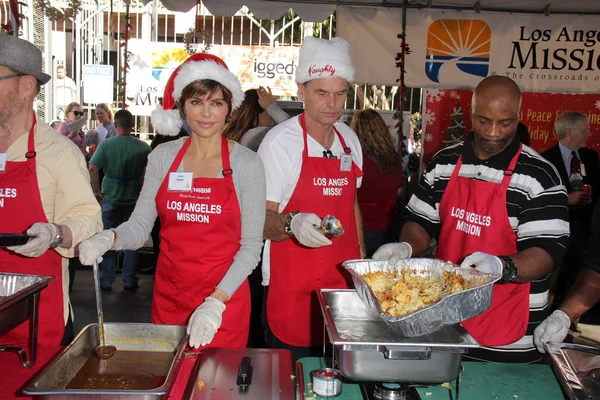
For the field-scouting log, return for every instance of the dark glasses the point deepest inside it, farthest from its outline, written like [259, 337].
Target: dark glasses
[78, 113]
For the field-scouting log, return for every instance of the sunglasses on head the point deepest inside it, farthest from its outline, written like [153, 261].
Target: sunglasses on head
[78, 113]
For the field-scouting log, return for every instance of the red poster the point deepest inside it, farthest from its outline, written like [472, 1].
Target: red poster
[448, 113]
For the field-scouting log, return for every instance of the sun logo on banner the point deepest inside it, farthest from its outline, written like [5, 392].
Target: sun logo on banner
[167, 59]
[457, 45]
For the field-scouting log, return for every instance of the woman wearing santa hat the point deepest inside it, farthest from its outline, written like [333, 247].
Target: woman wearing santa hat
[209, 194]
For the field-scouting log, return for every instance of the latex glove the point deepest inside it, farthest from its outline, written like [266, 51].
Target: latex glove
[42, 236]
[306, 228]
[552, 329]
[93, 249]
[205, 321]
[483, 262]
[393, 252]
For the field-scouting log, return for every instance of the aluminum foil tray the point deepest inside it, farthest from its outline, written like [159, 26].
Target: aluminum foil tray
[451, 310]
[14, 285]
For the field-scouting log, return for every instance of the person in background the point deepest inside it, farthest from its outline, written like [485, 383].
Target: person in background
[123, 159]
[382, 180]
[313, 168]
[577, 166]
[91, 138]
[584, 294]
[250, 123]
[499, 206]
[74, 112]
[106, 127]
[45, 194]
[65, 92]
[523, 134]
[210, 195]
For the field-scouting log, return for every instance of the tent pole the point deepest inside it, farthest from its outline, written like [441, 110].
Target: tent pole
[402, 89]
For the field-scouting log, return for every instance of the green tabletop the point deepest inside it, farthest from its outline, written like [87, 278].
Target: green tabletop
[479, 381]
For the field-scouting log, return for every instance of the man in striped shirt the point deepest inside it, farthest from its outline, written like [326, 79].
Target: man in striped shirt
[500, 207]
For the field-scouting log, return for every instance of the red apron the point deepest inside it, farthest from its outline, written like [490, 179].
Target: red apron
[17, 214]
[474, 218]
[200, 234]
[297, 272]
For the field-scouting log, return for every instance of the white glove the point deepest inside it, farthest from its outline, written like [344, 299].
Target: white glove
[552, 329]
[307, 229]
[42, 236]
[205, 321]
[393, 252]
[93, 249]
[483, 262]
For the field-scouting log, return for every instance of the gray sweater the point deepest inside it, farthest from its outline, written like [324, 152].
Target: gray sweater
[249, 182]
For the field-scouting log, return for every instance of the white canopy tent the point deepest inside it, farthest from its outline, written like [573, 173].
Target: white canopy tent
[319, 10]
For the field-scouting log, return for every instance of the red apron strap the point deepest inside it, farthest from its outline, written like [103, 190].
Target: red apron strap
[31, 153]
[503, 187]
[179, 156]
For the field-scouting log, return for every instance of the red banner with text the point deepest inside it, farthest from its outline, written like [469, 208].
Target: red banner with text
[447, 117]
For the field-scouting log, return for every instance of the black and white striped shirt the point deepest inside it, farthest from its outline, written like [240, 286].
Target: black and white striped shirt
[537, 211]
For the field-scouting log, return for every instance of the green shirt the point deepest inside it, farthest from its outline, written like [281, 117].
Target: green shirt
[123, 159]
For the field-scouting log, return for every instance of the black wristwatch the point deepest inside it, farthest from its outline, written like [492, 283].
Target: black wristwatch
[510, 271]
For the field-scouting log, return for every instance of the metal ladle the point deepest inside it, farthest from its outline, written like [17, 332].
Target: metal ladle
[332, 227]
[103, 351]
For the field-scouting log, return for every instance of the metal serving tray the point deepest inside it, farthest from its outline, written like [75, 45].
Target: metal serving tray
[52, 381]
[451, 310]
[250, 374]
[19, 301]
[367, 349]
[579, 368]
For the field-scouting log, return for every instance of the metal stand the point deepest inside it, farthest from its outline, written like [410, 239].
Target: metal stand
[26, 308]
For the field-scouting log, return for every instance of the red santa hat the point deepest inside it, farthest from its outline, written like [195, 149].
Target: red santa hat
[321, 58]
[199, 66]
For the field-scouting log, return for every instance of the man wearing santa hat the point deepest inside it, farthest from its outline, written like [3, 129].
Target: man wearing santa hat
[313, 168]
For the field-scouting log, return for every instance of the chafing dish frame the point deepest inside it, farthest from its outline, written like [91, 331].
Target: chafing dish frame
[571, 381]
[20, 306]
[419, 351]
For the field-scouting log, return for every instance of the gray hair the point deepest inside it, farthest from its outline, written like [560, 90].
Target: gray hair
[568, 120]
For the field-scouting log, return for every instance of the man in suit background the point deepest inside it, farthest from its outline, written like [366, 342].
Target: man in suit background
[577, 166]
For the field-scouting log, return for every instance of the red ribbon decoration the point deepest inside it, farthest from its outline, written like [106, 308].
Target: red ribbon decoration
[15, 22]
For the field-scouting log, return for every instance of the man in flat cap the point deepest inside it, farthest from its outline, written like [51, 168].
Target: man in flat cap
[313, 168]
[45, 193]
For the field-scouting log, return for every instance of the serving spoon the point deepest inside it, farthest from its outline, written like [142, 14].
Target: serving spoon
[103, 351]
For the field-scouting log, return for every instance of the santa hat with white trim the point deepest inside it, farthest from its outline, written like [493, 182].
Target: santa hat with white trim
[199, 66]
[321, 58]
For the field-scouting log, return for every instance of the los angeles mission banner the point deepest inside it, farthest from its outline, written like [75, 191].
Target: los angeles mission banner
[447, 117]
[152, 63]
[556, 53]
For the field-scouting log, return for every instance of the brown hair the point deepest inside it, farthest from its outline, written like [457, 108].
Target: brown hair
[203, 88]
[375, 140]
[244, 118]
[106, 109]
[71, 106]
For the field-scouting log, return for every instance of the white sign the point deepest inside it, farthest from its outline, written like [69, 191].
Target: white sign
[98, 84]
[152, 63]
[556, 53]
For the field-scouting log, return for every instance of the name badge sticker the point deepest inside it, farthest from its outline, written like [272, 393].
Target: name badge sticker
[180, 181]
[2, 162]
[346, 162]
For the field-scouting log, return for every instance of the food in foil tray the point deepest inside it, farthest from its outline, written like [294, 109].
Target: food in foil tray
[406, 291]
